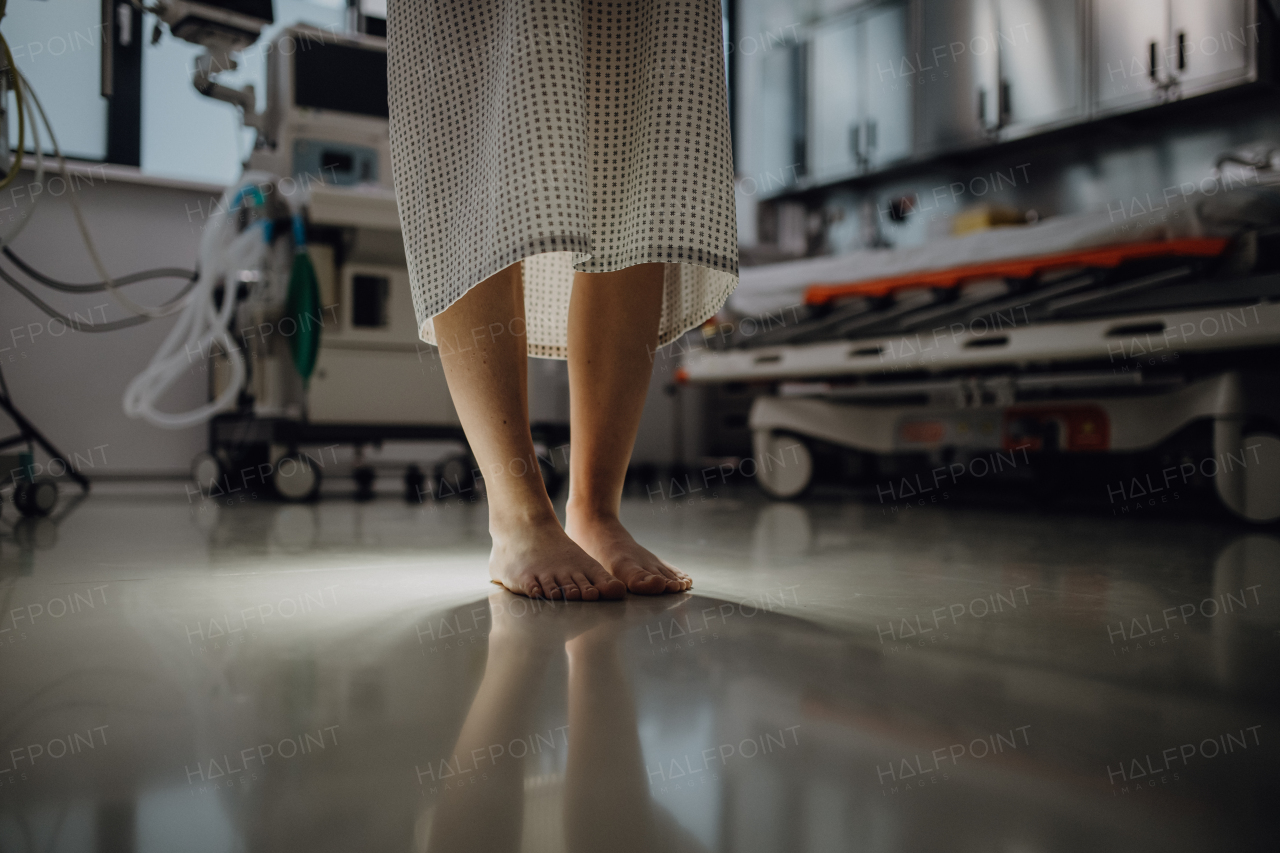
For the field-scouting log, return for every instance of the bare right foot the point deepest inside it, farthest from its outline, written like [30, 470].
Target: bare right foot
[537, 559]
[603, 537]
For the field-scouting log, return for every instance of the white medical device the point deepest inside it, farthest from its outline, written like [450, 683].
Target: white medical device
[321, 165]
[323, 141]
[221, 27]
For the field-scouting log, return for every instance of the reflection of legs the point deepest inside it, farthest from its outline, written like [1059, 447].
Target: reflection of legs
[483, 351]
[484, 810]
[613, 329]
[606, 804]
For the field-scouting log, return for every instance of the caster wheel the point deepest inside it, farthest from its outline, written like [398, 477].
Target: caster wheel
[453, 478]
[206, 470]
[35, 499]
[784, 464]
[296, 477]
[415, 485]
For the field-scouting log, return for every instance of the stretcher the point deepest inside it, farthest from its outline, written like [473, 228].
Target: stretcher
[1095, 349]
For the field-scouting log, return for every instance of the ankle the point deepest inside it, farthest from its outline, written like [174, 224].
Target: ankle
[506, 520]
[582, 511]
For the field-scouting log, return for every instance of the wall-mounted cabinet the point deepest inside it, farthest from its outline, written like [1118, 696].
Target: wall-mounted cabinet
[768, 57]
[879, 82]
[953, 83]
[1041, 64]
[997, 69]
[1146, 52]
[859, 106]
[776, 143]
[886, 105]
[834, 105]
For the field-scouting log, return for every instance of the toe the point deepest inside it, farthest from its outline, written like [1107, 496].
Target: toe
[589, 592]
[550, 587]
[608, 585]
[674, 583]
[672, 572]
[642, 581]
[570, 589]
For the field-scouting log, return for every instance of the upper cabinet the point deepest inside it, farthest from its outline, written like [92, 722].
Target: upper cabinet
[1151, 51]
[997, 69]
[1041, 58]
[769, 53]
[1212, 44]
[859, 102]
[1128, 52]
[833, 107]
[953, 74]
[885, 98]
[833, 89]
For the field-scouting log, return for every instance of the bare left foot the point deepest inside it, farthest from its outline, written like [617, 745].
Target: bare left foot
[608, 542]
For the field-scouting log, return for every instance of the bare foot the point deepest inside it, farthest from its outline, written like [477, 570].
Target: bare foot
[537, 559]
[605, 539]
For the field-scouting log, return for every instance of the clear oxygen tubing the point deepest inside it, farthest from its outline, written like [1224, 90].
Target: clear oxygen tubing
[203, 324]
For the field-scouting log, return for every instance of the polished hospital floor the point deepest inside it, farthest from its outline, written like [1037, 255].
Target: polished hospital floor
[179, 675]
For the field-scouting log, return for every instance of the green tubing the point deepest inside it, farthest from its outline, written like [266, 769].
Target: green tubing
[302, 305]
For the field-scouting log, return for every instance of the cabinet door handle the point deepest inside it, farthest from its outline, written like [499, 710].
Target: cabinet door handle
[855, 141]
[982, 106]
[1004, 103]
[871, 135]
[1152, 71]
[1182, 50]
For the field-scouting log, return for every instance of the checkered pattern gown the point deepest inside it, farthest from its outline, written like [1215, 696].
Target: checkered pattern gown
[566, 135]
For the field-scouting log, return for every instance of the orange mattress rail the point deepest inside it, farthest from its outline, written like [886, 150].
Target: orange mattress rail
[1103, 256]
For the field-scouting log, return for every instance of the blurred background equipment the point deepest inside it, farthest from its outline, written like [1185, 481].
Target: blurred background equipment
[966, 228]
[301, 300]
[34, 492]
[990, 226]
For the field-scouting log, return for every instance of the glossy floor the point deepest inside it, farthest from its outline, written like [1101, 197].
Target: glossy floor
[184, 676]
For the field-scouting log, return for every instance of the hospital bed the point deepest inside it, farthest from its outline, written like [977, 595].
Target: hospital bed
[1053, 343]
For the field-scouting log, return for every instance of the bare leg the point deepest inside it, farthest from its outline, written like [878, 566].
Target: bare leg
[606, 798]
[481, 808]
[613, 329]
[485, 364]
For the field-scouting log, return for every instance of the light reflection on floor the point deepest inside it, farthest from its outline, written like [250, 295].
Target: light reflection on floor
[341, 676]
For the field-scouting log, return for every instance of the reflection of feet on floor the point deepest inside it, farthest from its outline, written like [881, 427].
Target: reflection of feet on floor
[517, 624]
[542, 625]
[605, 539]
[537, 559]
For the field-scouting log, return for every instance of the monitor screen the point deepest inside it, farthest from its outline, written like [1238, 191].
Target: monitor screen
[340, 77]
[260, 9]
